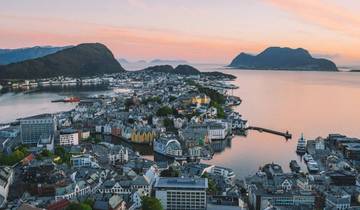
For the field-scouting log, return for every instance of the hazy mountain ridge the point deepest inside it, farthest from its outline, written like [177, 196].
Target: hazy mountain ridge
[8, 56]
[277, 58]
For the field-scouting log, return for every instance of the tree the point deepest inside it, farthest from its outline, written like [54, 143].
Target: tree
[212, 186]
[168, 123]
[171, 172]
[150, 203]
[164, 111]
[78, 206]
[219, 109]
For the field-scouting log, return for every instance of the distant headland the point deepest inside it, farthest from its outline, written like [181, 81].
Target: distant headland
[277, 58]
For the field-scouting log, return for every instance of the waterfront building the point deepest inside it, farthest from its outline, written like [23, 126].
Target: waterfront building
[272, 187]
[319, 144]
[32, 128]
[168, 146]
[182, 193]
[143, 135]
[216, 130]
[69, 137]
[6, 179]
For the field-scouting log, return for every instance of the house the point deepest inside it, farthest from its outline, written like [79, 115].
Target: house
[117, 203]
[72, 191]
[6, 179]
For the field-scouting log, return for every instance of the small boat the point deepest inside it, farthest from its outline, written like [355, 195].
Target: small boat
[301, 146]
[294, 166]
[67, 100]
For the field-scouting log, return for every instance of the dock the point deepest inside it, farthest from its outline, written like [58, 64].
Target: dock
[286, 134]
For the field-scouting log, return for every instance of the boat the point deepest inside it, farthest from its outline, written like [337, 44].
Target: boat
[312, 166]
[308, 157]
[294, 166]
[301, 146]
[67, 100]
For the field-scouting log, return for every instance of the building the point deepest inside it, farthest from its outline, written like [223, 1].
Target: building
[32, 128]
[85, 160]
[72, 191]
[339, 200]
[170, 147]
[182, 193]
[216, 130]
[69, 137]
[6, 179]
[118, 154]
[46, 142]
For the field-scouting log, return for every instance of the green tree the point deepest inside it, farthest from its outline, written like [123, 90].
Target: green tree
[78, 206]
[168, 123]
[150, 203]
[164, 111]
[171, 172]
[212, 186]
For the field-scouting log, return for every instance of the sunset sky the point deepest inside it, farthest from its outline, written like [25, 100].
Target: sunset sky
[209, 31]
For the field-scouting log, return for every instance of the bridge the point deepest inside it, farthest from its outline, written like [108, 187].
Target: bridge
[286, 134]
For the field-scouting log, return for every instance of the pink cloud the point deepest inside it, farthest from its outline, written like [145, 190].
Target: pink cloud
[137, 43]
[323, 13]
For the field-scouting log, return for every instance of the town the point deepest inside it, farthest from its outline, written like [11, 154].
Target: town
[87, 158]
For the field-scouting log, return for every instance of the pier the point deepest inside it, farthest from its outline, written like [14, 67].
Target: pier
[286, 134]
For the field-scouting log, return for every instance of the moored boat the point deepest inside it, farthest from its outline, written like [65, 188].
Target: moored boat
[301, 146]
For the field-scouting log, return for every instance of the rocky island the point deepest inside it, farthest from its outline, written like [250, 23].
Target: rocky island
[277, 58]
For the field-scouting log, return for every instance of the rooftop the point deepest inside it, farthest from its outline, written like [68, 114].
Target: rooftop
[175, 182]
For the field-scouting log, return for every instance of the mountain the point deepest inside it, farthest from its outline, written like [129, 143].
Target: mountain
[185, 70]
[82, 60]
[277, 58]
[16, 55]
[160, 61]
[122, 60]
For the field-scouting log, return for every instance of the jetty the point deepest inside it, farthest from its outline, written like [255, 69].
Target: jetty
[286, 134]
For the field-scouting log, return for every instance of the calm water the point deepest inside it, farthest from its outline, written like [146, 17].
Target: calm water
[17, 105]
[313, 103]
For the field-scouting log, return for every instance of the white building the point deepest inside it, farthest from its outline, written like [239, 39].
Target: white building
[182, 193]
[6, 179]
[118, 154]
[46, 142]
[171, 147]
[85, 160]
[72, 191]
[319, 143]
[217, 130]
[69, 137]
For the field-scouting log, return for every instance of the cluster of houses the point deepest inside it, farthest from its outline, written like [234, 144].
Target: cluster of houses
[333, 186]
[68, 159]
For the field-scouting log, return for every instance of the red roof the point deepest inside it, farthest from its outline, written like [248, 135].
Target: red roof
[58, 205]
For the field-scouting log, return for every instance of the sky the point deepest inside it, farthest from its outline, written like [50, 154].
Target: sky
[202, 31]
